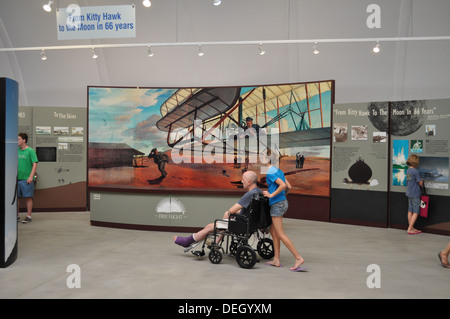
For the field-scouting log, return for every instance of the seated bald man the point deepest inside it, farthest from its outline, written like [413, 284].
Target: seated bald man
[249, 180]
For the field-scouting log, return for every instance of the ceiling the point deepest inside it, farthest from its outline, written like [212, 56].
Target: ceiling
[402, 70]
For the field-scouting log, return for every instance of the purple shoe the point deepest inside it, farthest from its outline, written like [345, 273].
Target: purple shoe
[184, 241]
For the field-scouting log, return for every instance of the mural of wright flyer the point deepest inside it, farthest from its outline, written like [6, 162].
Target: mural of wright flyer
[371, 144]
[203, 139]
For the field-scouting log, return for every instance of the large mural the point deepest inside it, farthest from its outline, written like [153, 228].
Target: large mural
[205, 138]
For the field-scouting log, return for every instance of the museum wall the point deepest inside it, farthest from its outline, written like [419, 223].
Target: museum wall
[402, 71]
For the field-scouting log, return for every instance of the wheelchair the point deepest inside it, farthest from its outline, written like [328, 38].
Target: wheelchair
[232, 237]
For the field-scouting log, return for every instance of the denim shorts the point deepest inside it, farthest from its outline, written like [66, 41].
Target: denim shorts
[414, 204]
[279, 208]
[24, 189]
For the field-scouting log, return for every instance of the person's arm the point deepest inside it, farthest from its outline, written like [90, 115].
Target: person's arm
[233, 210]
[419, 179]
[33, 172]
[288, 186]
[281, 186]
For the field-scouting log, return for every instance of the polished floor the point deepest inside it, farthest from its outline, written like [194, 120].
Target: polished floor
[117, 263]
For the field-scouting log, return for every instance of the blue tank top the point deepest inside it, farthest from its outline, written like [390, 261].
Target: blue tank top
[272, 175]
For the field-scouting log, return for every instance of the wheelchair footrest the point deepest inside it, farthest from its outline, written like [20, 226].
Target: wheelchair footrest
[199, 253]
[191, 246]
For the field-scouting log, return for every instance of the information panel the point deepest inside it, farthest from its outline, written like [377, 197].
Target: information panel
[360, 146]
[421, 128]
[57, 134]
[370, 148]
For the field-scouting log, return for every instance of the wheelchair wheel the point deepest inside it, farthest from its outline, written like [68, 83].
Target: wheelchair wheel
[265, 248]
[215, 256]
[233, 248]
[246, 256]
[235, 243]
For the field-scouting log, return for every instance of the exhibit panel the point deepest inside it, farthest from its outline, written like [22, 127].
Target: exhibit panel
[359, 184]
[197, 141]
[371, 144]
[8, 159]
[421, 128]
[58, 135]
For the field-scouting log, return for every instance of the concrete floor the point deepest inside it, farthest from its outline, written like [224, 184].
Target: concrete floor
[117, 263]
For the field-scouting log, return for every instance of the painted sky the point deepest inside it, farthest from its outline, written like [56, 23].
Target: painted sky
[129, 115]
[124, 115]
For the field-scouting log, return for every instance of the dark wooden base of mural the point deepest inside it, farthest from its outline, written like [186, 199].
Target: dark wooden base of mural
[70, 197]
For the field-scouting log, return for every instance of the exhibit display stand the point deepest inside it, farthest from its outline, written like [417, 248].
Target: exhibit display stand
[173, 158]
[371, 144]
[57, 134]
[359, 193]
[8, 157]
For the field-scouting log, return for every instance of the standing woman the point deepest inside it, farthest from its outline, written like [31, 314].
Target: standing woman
[277, 190]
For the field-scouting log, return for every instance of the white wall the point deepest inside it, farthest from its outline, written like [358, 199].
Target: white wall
[402, 71]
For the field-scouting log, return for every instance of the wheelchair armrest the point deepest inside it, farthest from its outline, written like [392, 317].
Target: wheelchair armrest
[221, 227]
[240, 217]
[221, 220]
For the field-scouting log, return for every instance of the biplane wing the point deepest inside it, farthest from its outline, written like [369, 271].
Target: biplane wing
[272, 99]
[305, 138]
[295, 110]
[311, 137]
[285, 102]
[188, 105]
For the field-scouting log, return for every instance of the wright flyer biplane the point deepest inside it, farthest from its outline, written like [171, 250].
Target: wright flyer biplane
[295, 111]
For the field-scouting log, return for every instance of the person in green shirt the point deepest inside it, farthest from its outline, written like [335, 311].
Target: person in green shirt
[27, 165]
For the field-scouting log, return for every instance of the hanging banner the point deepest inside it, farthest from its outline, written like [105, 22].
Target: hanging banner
[75, 22]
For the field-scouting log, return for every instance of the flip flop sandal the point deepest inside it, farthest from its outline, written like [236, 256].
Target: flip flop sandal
[270, 264]
[298, 269]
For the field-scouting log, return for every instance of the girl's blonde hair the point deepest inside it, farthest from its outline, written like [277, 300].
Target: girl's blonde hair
[413, 161]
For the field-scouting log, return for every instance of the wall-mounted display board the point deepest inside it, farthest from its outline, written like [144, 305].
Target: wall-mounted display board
[58, 136]
[9, 97]
[421, 128]
[200, 140]
[359, 160]
[371, 144]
